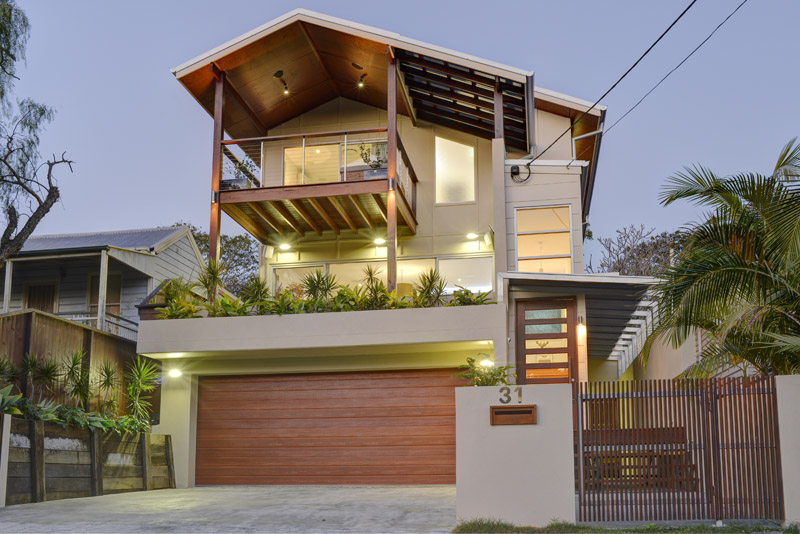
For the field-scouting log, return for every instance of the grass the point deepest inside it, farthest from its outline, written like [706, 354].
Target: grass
[492, 526]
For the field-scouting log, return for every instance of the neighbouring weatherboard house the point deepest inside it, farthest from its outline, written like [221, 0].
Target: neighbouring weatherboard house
[340, 146]
[99, 278]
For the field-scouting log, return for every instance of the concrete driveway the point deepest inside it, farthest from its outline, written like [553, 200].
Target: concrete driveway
[245, 509]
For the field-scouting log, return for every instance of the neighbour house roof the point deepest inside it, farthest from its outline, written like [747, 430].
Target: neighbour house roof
[321, 58]
[141, 240]
[619, 312]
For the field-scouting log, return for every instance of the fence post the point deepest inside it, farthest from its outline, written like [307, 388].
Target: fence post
[170, 460]
[579, 410]
[38, 493]
[5, 438]
[144, 446]
[713, 438]
[96, 452]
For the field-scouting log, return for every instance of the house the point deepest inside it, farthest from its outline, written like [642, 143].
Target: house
[340, 146]
[97, 278]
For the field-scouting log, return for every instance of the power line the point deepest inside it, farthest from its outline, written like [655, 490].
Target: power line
[676, 67]
[615, 84]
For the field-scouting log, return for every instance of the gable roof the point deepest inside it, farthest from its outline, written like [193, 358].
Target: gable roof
[143, 240]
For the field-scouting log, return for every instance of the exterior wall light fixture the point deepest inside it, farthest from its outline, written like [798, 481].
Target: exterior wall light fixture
[472, 235]
[361, 81]
[285, 246]
[175, 373]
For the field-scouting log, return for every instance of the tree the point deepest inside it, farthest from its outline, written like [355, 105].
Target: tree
[27, 185]
[238, 257]
[635, 251]
[738, 278]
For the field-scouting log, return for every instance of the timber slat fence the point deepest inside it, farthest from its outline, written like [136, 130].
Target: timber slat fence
[666, 450]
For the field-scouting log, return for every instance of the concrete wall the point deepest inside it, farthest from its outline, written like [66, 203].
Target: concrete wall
[5, 437]
[666, 361]
[522, 474]
[789, 427]
[179, 419]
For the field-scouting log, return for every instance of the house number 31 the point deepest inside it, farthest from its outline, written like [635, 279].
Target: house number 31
[505, 394]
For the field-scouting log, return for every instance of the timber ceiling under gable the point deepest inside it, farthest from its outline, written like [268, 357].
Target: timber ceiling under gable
[319, 64]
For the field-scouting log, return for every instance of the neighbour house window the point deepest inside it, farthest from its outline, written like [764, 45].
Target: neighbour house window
[113, 293]
[455, 172]
[544, 240]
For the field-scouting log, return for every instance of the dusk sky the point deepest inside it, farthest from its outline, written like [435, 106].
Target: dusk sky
[142, 145]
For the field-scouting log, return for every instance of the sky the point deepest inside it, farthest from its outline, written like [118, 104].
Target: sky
[142, 145]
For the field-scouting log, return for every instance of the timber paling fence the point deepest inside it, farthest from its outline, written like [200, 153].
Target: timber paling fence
[666, 450]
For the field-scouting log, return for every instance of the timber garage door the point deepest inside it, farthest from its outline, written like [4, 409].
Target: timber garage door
[382, 427]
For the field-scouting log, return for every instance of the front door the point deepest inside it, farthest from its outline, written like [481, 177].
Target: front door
[546, 341]
[41, 297]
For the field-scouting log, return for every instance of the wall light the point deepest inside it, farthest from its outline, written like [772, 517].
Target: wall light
[380, 241]
[175, 373]
[472, 235]
[361, 81]
[487, 363]
[285, 246]
[581, 331]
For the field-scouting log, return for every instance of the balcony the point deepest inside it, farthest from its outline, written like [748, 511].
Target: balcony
[113, 324]
[316, 183]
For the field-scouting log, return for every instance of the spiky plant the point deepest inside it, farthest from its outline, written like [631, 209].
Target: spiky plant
[9, 374]
[429, 290]
[256, 291]
[176, 290]
[318, 286]
[376, 296]
[107, 383]
[30, 366]
[211, 278]
[47, 376]
[141, 378]
[72, 372]
[738, 278]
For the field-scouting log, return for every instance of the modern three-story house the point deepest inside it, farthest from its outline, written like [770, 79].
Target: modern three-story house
[340, 146]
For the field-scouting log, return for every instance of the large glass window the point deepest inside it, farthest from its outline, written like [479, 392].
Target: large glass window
[291, 277]
[543, 240]
[455, 172]
[321, 164]
[474, 274]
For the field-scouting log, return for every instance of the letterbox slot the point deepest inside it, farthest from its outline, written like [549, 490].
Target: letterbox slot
[512, 415]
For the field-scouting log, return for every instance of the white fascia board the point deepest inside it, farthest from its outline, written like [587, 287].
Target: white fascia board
[583, 279]
[353, 28]
[568, 101]
[549, 163]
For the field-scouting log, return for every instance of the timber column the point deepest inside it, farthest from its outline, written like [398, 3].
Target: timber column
[216, 164]
[391, 172]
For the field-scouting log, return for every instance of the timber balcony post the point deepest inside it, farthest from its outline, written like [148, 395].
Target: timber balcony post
[391, 172]
[216, 164]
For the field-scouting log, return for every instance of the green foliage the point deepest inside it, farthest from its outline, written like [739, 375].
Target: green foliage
[738, 278]
[480, 375]
[107, 383]
[227, 307]
[9, 402]
[76, 378]
[211, 278]
[141, 378]
[9, 374]
[464, 297]
[175, 290]
[178, 309]
[429, 290]
[318, 287]
[256, 291]
[376, 295]
[238, 253]
[285, 304]
[346, 299]
[38, 411]
[76, 416]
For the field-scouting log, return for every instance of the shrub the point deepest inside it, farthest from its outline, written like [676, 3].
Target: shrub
[484, 375]
[464, 297]
[9, 402]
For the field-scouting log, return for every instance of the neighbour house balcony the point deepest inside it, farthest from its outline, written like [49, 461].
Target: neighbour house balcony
[280, 185]
[113, 324]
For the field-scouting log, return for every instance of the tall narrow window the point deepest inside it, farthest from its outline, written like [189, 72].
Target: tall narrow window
[455, 172]
[543, 240]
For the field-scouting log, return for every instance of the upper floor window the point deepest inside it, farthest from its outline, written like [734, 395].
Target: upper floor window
[544, 242]
[455, 172]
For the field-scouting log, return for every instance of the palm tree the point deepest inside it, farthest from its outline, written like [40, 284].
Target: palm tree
[738, 279]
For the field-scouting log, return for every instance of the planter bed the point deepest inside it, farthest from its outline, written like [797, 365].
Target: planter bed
[48, 462]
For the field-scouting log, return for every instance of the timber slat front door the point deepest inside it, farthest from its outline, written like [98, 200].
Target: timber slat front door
[381, 427]
[546, 341]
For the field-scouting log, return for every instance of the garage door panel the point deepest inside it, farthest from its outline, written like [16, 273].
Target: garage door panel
[381, 480]
[257, 443]
[320, 395]
[383, 427]
[330, 413]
